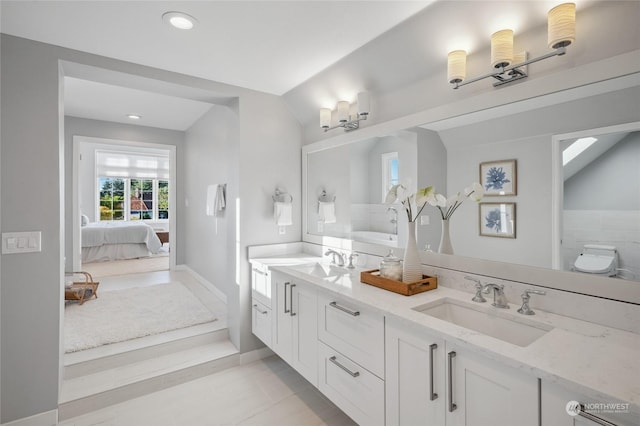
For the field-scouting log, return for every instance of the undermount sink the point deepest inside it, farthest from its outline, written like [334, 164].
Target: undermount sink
[486, 320]
[321, 270]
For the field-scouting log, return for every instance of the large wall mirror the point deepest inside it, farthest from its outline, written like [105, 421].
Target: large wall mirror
[559, 212]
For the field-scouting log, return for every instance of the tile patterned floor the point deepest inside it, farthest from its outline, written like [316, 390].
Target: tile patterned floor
[262, 393]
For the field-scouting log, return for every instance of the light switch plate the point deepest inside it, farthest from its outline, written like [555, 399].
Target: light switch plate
[21, 242]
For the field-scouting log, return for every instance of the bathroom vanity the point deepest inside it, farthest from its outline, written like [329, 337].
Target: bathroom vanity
[438, 357]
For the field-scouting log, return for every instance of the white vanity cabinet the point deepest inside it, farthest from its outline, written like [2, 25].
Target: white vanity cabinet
[471, 390]
[261, 302]
[295, 324]
[554, 400]
[352, 358]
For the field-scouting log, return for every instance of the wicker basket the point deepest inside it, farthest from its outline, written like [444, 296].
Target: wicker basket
[81, 291]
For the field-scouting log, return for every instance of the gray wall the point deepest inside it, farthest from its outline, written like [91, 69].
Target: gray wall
[32, 176]
[74, 126]
[527, 138]
[211, 150]
[611, 182]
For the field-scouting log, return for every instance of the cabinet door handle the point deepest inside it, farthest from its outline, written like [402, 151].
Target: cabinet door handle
[293, 314]
[594, 418]
[258, 271]
[343, 309]
[286, 311]
[452, 406]
[259, 311]
[352, 373]
[432, 395]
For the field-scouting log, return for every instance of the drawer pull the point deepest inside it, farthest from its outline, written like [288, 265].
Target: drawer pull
[293, 314]
[351, 373]
[343, 309]
[259, 311]
[432, 395]
[286, 311]
[258, 271]
[452, 405]
[594, 418]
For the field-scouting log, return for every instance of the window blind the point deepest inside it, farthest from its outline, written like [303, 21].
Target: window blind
[132, 165]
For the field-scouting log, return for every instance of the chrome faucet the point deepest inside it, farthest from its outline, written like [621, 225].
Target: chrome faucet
[499, 299]
[525, 309]
[394, 219]
[478, 297]
[351, 257]
[337, 255]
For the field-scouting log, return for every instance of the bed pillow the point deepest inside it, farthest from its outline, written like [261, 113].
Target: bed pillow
[84, 220]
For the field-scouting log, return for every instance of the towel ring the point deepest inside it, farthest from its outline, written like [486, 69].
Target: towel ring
[324, 198]
[281, 197]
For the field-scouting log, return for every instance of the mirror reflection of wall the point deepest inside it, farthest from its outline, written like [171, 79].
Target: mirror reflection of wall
[602, 203]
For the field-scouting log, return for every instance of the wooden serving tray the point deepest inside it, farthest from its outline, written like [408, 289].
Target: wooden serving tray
[373, 278]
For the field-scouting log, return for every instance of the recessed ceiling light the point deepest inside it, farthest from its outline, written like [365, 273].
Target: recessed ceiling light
[134, 116]
[179, 20]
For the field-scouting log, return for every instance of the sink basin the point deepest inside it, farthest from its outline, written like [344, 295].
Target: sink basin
[321, 270]
[486, 320]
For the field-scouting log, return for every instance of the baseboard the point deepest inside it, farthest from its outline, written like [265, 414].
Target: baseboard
[202, 280]
[48, 418]
[255, 355]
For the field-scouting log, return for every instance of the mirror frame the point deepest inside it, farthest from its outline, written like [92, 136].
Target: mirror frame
[619, 290]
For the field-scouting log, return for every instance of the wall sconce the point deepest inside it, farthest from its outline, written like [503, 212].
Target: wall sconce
[347, 119]
[561, 23]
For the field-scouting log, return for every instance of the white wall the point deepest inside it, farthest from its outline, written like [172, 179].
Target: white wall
[525, 137]
[33, 155]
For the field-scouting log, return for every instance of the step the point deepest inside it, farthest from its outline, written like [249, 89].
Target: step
[97, 390]
[118, 354]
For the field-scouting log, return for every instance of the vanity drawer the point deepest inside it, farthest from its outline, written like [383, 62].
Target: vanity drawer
[261, 321]
[261, 283]
[358, 392]
[354, 331]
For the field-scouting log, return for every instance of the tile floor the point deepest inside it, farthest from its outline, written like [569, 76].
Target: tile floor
[267, 392]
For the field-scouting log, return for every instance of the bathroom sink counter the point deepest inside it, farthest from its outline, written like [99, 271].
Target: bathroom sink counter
[597, 361]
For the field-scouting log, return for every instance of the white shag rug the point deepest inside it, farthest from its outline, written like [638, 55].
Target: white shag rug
[120, 315]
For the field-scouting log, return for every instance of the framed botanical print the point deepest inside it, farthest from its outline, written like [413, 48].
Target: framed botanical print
[498, 220]
[498, 177]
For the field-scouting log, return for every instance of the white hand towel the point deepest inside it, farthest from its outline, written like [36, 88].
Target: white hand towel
[327, 211]
[215, 200]
[283, 213]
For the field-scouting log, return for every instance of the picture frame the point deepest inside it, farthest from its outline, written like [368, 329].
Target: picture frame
[497, 220]
[498, 178]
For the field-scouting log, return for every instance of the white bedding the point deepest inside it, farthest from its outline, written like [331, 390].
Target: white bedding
[118, 240]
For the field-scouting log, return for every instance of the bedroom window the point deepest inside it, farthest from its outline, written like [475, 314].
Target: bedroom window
[133, 199]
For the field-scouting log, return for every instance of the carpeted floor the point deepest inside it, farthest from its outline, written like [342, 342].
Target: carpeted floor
[126, 267]
[120, 315]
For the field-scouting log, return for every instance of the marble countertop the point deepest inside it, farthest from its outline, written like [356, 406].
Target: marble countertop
[597, 361]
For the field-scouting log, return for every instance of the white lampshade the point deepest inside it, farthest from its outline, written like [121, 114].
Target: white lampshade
[343, 111]
[502, 48]
[364, 103]
[325, 118]
[457, 66]
[561, 25]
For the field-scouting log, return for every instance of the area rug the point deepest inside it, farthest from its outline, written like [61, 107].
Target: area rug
[126, 267]
[120, 315]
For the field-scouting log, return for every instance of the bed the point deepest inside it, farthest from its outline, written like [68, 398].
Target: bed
[104, 241]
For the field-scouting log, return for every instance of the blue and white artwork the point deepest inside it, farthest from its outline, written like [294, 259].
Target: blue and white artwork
[498, 177]
[498, 220]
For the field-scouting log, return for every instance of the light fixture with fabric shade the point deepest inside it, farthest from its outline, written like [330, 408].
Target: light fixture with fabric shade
[561, 25]
[349, 115]
[457, 66]
[509, 67]
[502, 48]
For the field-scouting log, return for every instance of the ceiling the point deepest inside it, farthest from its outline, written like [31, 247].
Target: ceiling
[311, 52]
